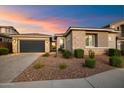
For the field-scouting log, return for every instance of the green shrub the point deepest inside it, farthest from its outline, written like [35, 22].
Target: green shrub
[62, 66]
[116, 61]
[38, 66]
[91, 54]
[61, 50]
[46, 55]
[90, 62]
[114, 52]
[111, 52]
[117, 52]
[67, 54]
[122, 52]
[79, 53]
[4, 51]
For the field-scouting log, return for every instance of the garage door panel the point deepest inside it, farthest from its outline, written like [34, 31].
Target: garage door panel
[32, 46]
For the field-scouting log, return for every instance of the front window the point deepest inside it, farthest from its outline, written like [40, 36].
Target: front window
[91, 40]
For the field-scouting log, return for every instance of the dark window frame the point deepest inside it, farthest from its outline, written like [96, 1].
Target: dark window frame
[96, 40]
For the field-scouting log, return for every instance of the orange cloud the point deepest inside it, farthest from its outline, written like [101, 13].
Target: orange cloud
[51, 24]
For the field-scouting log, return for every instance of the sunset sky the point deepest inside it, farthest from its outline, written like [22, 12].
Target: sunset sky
[56, 19]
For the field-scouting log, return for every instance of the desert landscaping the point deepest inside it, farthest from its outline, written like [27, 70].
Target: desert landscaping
[55, 68]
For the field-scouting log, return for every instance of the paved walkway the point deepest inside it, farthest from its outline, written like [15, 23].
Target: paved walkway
[12, 65]
[109, 79]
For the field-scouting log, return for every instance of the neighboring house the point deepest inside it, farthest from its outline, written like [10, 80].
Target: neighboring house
[5, 41]
[8, 30]
[5, 36]
[31, 42]
[119, 25]
[96, 39]
[5, 32]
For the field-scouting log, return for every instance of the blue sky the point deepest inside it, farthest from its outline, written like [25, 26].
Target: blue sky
[56, 19]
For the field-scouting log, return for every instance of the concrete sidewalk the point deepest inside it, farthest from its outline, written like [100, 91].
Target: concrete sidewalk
[69, 83]
[109, 79]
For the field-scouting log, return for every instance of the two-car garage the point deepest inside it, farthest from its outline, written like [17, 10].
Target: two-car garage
[32, 46]
[25, 43]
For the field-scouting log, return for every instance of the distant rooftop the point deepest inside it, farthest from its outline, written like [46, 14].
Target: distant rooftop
[9, 27]
[87, 29]
[59, 34]
[35, 34]
[108, 25]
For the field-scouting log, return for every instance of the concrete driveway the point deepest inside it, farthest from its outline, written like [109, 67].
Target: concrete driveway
[12, 65]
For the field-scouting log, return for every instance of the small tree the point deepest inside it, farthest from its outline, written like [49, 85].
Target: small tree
[114, 52]
[91, 54]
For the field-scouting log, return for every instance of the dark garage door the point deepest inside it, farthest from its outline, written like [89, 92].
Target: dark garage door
[32, 46]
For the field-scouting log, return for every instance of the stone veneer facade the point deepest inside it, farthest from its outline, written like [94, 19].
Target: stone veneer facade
[76, 39]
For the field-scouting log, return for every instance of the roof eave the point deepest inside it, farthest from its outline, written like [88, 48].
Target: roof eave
[30, 35]
[90, 29]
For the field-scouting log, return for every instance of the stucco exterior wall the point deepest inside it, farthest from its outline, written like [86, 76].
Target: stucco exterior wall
[58, 42]
[16, 43]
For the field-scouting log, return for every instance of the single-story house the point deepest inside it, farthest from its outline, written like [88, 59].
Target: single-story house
[98, 40]
[31, 42]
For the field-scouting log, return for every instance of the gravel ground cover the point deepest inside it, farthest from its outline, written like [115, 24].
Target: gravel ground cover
[50, 69]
